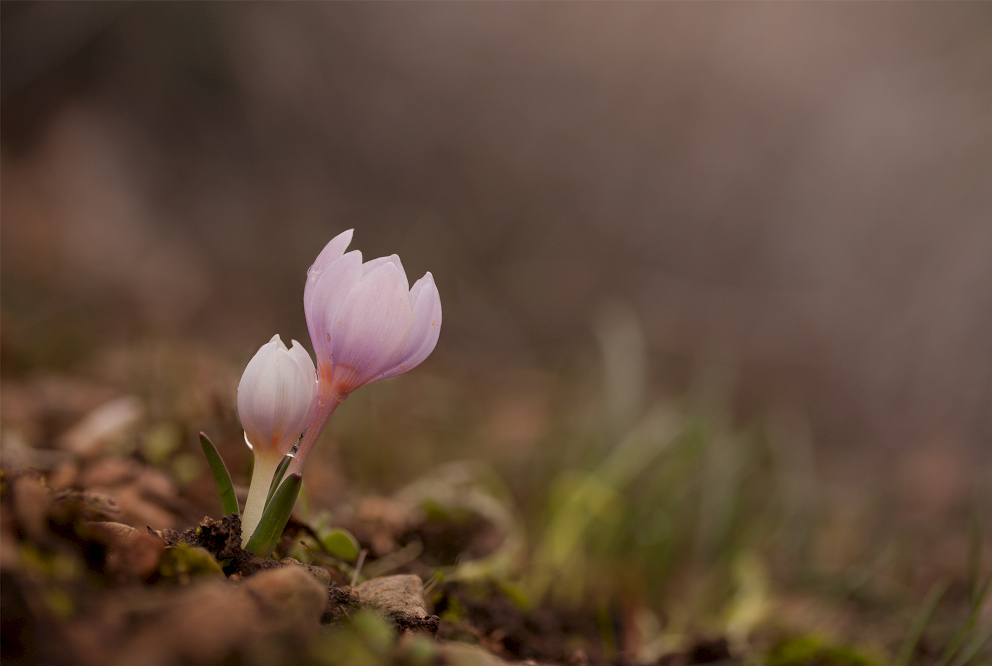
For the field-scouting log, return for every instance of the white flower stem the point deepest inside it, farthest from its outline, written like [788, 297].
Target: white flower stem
[261, 479]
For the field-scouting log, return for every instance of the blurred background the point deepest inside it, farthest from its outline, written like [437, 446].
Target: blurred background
[775, 215]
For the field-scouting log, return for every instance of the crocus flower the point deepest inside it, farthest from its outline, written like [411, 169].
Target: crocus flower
[366, 324]
[275, 395]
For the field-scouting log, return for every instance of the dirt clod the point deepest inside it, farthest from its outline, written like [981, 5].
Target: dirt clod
[342, 601]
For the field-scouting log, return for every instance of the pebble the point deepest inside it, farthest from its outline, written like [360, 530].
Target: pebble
[402, 593]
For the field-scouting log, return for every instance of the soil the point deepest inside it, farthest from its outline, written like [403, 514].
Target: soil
[81, 588]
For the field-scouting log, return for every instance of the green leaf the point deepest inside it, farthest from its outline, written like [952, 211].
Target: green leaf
[277, 478]
[263, 541]
[340, 543]
[228, 500]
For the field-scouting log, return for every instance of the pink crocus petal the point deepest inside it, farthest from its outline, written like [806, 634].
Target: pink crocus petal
[426, 327]
[331, 253]
[333, 250]
[371, 328]
[326, 297]
[393, 259]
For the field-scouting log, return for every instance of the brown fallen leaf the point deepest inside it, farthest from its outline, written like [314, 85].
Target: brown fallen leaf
[138, 511]
[108, 423]
[132, 555]
[70, 505]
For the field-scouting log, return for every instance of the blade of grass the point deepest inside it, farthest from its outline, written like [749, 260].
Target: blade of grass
[228, 500]
[920, 623]
[277, 478]
[962, 634]
[974, 555]
[971, 650]
[263, 541]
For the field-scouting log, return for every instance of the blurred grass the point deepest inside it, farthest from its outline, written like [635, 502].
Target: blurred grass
[669, 512]
[711, 524]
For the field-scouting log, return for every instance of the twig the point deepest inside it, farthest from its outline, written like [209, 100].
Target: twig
[358, 566]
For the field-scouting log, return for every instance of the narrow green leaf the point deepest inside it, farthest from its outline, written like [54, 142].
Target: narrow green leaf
[962, 634]
[920, 623]
[228, 500]
[277, 478]
[971, 651]
[974, 555]
[263, 541]
[340, 543]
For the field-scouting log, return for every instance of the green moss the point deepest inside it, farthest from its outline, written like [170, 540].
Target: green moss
[182, 563]
[811, 650]
[59, 603]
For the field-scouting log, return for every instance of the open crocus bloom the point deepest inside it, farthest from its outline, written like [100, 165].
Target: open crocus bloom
[275, 396]
[366, 324]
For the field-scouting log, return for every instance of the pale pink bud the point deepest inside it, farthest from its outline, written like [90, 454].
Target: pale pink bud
[274, 396]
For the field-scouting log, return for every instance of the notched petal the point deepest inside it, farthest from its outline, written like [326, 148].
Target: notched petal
[323, 298]
[332, 251]
[425, 330]
[393, 259]
[371, 328]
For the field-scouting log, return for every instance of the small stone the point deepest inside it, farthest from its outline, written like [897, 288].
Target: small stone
[288, 595]
[399, 598]
[320, 574]
[402, 592]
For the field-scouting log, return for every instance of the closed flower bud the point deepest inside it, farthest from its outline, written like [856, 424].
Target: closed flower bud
[275, 395]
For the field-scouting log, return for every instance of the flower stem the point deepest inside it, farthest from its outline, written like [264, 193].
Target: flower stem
[261, 478]
[325, 404]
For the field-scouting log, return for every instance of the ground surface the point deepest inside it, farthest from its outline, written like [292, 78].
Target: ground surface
[114, 552]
